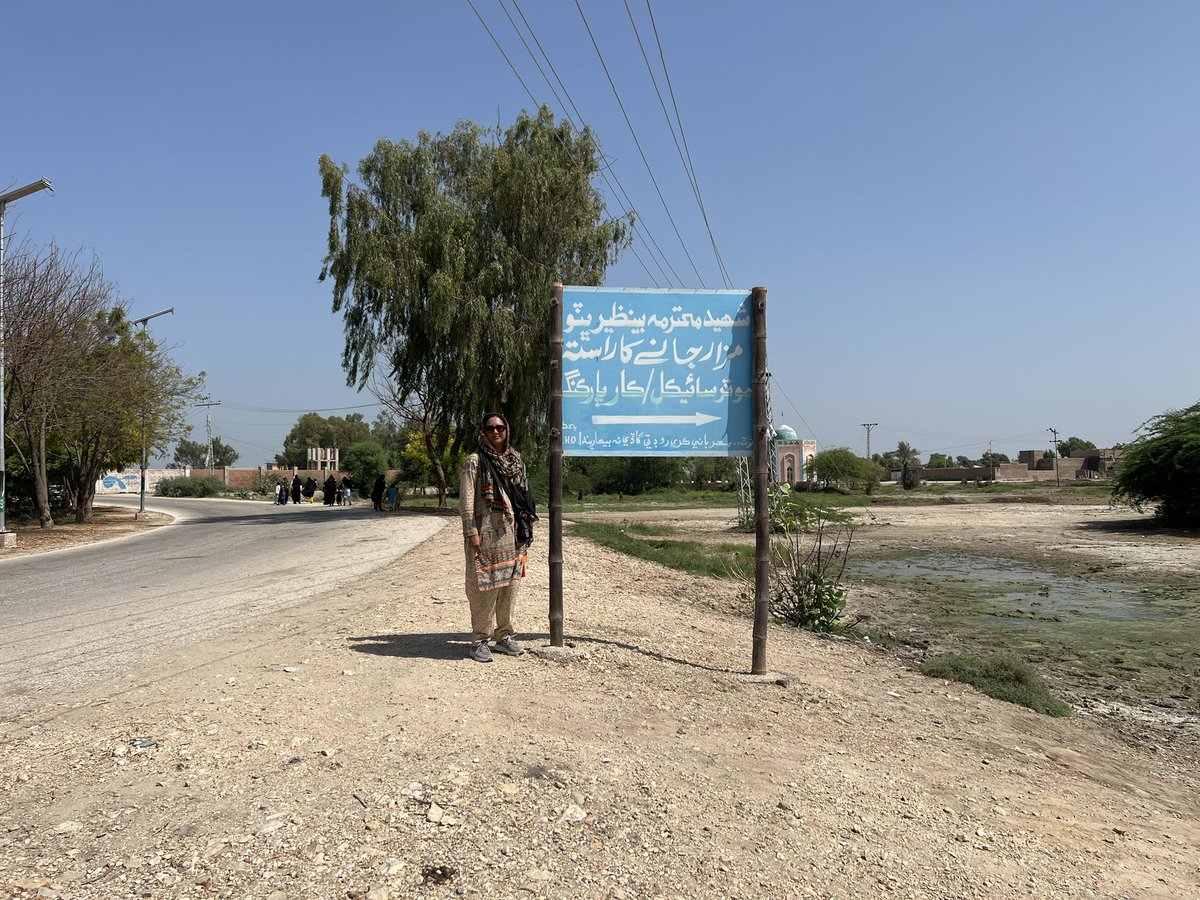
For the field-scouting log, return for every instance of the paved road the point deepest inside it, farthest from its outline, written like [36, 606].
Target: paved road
[74, 623]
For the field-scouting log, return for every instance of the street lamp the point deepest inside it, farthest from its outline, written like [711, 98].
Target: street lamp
[7, 539]
[141, 513]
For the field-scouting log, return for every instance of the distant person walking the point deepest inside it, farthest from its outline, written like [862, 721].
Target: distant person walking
[347, 488]
[310, 488]
[377, 494]
[330, 491]
[493, 492]
[281, 493]
[393, 495]
[297, 486]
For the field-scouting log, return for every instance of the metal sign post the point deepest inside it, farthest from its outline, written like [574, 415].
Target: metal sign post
[762, 507]
[556, 474]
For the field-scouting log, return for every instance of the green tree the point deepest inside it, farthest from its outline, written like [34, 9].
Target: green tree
[908, 458]
[993, 459]
[1071, 444]
[443, 258]
[314, 430]
[940, 461]
[195, 453]
[131, 392]
[964, 461]
[1160, 467]
[839, 465]
[391, 434]
[52, 301]
[365, 461]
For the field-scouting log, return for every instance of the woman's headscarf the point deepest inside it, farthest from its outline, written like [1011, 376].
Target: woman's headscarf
[507, 463]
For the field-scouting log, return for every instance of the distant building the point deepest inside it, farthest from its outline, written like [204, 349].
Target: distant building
[323, 459]
[795, 455]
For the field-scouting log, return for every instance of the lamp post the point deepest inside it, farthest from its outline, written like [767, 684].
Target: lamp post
[141, 513]
[7, 539]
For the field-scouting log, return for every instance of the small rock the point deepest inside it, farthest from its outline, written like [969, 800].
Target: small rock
[434, 813]
[67, 827]
[573, 813]
[289, 670]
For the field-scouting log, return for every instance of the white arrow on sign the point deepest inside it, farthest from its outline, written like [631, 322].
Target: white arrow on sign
[698, 418]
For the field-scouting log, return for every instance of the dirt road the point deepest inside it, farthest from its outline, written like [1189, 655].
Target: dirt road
[348, 749]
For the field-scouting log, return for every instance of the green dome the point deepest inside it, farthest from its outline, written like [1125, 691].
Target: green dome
[785, 434]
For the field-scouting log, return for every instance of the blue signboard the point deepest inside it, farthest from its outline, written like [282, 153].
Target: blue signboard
[657, 373]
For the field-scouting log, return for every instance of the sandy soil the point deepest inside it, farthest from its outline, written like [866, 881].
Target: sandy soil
[348, 749]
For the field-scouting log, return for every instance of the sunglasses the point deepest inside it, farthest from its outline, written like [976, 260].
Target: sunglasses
[495, 428]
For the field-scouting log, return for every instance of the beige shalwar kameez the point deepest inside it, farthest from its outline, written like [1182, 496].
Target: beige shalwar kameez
[493, 576]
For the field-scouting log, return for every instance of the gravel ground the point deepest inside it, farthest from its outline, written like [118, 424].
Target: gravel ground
[347, 748]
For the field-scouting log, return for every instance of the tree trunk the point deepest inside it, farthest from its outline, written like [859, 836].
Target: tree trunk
[438, 472]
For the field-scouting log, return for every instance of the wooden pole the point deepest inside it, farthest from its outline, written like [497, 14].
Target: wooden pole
[762, 509]
[556, 468]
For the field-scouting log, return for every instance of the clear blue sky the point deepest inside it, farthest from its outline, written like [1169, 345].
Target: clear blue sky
[975, 220]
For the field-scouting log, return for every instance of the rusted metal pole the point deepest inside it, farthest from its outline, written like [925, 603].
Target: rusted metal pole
[556, 467]
[762, 508]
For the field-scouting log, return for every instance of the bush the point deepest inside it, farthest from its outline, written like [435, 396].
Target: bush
[264, 484]
[1159, 468]
[190, 486]
[999, 676]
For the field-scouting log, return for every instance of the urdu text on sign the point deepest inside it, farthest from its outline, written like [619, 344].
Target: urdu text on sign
[657, 372]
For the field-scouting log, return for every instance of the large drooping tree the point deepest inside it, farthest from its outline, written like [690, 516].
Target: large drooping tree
[1161, 469]
[442, 261]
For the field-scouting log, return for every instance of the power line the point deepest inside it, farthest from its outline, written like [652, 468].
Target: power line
[264, 409]
[637, 143]
[617, 191]
[808, 428]
[689, 169]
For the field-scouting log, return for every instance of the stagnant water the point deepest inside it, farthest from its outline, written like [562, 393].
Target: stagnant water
[1014, 589]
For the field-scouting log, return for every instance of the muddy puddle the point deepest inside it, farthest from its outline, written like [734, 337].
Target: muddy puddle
[1014, 590]
[1095, 634]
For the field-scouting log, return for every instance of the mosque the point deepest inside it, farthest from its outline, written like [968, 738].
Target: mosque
[794, 455]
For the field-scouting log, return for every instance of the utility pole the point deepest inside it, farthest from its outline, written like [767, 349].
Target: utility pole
[869, 426]
[1054, 431]
[208, 446]
[141, 513]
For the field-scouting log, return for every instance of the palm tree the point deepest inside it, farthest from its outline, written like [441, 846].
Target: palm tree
[908, 457]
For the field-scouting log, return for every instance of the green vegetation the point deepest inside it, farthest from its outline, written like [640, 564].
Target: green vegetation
[85, 388]
[195, 454]
[808, 559]
[715, 560]
[839, 466]
[441, 255]
[191, 486]
[997, 675]
[1162, 468]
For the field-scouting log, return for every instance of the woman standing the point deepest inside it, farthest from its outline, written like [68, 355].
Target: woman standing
[491, 478]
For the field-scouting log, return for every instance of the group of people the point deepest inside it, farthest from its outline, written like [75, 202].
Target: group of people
[337, 494]
[306, 489]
